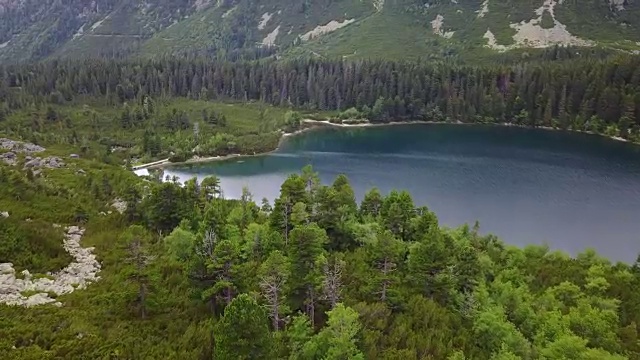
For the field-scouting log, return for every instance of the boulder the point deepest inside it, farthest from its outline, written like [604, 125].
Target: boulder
[9, 158]
[53, 162]
[26, 274]
[7, 268]
[38, 299]
[34, 163]
[4, 214]
[19, 146]
[120, 205]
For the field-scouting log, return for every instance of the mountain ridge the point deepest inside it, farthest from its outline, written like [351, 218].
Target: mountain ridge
[345, 28]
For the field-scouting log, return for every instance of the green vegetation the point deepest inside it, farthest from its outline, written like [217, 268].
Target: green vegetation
[189, 274]
[178, 128]
[177, 109]
[547, 21]
[237, 29]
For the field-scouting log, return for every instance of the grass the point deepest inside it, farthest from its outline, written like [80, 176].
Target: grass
[595, 21]
[401, 31]
[209, 29]
[200, 30]
[385, 35]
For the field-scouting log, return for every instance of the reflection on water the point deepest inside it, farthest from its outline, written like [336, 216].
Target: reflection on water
[528, 186]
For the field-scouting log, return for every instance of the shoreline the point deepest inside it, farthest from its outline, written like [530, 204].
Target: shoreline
[318, 124]
[200, 160]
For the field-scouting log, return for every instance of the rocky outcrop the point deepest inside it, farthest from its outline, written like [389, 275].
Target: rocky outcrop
[77, 275]
[9, 158]
[19, 146]
[16, 147]
[51, 162]
[617, 4]
[120, 205]
[437, 25]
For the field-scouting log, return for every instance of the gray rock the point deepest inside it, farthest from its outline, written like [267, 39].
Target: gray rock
[19, 146]
[77, 275]
[9, 158]
[38, 299]
[4, 214]
[26, 274]
[74, 156]
[120, 205]
[34, 163]
[53, 162]
[616, 4]
[7, 268]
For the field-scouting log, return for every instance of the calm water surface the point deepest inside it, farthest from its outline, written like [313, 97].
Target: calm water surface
[571, 191]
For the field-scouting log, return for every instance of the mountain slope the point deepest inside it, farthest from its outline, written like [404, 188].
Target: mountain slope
[347, 28]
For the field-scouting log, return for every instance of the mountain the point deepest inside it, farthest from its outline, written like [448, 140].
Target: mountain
[38, 29]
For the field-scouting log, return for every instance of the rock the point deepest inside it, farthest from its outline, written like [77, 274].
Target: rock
[19, 146]
[53, 162]
[81, 172]
[4, 214]
[120, 205]
[38, 299]
[617, 5]
[26, 274]
[7, 268]
[34, 163]
[77, 275]
[9, 158]
[74, 156]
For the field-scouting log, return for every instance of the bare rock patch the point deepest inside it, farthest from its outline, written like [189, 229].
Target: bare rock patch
[82, 271]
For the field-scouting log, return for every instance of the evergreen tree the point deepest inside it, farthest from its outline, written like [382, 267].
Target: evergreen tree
[243, 331]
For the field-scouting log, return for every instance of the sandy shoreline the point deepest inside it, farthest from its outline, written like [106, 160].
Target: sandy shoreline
[317, 124]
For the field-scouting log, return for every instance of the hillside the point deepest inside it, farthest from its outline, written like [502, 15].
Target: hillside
[31, 30]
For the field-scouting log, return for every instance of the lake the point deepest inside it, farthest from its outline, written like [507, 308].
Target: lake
[569, 190]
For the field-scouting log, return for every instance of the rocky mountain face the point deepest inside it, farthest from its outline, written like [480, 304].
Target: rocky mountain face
[37, 29]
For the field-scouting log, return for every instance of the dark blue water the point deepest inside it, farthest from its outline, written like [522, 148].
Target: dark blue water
[571, 191]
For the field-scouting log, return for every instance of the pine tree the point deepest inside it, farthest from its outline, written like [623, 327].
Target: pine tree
[274, 277]
[243, 331]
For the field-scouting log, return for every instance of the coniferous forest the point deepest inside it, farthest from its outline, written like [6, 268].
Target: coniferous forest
[600, 96]
[189, 274]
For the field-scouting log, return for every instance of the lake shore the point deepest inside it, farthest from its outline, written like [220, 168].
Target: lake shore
[311, 124]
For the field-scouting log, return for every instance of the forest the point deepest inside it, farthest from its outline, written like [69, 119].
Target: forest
[600, 95]
[315, 274]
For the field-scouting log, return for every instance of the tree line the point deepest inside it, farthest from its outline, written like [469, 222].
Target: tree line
[601, 96]
[313, 274]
